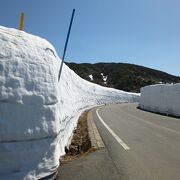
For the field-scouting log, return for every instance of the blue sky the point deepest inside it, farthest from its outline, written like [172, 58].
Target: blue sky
[144, 32]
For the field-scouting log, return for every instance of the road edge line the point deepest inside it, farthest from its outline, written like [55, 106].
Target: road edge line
[119, 140]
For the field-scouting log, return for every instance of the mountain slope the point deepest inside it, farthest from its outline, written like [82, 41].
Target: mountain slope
[122, 76]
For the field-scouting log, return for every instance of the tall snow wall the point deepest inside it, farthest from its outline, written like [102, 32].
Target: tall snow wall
[37, 113]
[161, 98]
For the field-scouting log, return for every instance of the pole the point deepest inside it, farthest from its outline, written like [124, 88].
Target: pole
[21, 25]
[66, 43]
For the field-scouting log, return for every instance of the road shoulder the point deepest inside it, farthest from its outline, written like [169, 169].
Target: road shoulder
[96, 165]
[95, 138]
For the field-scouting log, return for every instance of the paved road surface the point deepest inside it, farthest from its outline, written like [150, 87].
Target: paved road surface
[141, 145]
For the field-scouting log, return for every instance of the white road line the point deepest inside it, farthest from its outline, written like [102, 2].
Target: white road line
[112, 132]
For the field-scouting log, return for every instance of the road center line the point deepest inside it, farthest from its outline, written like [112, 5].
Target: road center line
[120, 141]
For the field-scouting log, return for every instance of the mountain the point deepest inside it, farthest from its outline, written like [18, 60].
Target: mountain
[127, 77]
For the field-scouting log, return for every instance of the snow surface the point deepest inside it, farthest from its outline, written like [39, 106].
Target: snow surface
[37, 113]
[162, 98]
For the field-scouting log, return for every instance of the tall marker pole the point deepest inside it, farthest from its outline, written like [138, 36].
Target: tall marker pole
[65, 47]
[21, 25]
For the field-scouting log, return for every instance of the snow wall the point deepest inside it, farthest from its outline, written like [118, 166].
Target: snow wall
[161, 98]
[37, 113]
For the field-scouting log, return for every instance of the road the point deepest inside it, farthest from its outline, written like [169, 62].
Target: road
[142, 145]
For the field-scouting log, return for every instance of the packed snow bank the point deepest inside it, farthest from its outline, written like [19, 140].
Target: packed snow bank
[37, 113]
[161, 98]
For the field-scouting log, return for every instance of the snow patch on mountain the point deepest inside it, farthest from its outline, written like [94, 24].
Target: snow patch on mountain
[91, 77]
[104, 78]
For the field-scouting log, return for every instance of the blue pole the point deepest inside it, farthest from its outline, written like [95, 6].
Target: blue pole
[66, 43]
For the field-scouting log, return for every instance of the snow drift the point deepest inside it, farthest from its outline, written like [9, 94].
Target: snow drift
[37, 113]
[161, 98]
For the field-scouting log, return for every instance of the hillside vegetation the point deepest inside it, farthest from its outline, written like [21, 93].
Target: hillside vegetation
[127, 77]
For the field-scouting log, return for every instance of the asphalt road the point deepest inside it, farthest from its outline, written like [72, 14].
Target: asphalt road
[141, 145]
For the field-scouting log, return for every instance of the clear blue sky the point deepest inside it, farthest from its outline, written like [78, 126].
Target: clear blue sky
[144, 32]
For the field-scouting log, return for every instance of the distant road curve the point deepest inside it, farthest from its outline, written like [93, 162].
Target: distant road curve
[142, 145]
